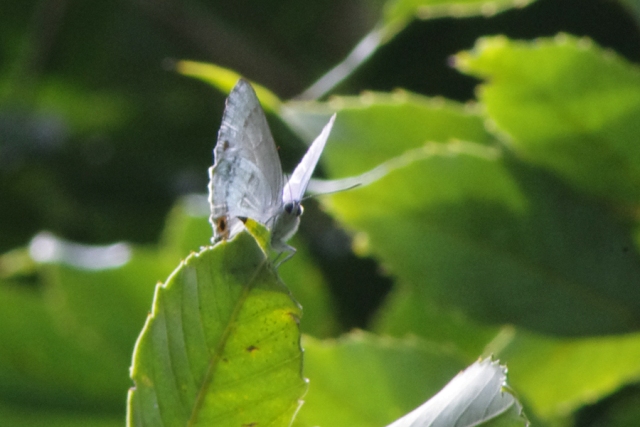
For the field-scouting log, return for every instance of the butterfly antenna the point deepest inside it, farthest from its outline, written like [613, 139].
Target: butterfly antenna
[310, 196]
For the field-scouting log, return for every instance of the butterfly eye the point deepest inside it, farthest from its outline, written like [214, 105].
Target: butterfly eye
[221, 224]
[288, 208]
[293, 208]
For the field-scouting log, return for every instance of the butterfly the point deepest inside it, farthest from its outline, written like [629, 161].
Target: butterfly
[246, 179]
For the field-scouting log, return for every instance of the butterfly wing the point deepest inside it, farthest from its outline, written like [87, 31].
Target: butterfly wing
[297, 184]
[287, 221]
[246, 178]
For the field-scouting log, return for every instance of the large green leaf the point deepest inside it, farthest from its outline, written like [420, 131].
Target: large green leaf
[67, 342]
[469, 227]
[566, 105]
[221, 344]
[364, 380]
[45, 365]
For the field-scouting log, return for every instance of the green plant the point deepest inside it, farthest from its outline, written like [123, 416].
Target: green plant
[509, 226]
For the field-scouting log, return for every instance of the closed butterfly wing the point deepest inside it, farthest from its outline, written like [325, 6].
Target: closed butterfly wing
[246, 178]
[288, 219]
[297, 184]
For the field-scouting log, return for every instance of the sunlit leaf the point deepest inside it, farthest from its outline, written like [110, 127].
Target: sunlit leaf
[225, 79]
[567, 105]
[220, 345]
[188, 229]
[470, 228]
[399, 12]
[384, 126]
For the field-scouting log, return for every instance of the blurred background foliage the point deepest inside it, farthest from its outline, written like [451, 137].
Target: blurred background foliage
[102, 141]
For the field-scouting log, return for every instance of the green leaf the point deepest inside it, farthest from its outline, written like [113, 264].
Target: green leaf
[567, 105]
[383, 126]
[221, 344]
[557, 376]
[308, 286]
[188, 229]
[364, 380]
[224, 79]
[43, 364]
[502, 243]
[68, 342]
[407, 311]
[45, 417]
[399, 12]
[468, 228]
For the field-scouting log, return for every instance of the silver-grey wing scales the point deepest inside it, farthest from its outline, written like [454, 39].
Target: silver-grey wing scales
[246, 178]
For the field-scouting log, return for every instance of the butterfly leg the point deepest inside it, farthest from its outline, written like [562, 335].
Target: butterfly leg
[289, 251]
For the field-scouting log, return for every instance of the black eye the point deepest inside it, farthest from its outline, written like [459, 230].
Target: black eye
[288, 208]
[293, 208]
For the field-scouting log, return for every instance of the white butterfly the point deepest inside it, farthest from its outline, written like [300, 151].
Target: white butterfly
[246, 179]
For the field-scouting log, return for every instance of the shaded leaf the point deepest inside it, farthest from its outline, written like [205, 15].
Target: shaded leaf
[67, 342]
[582, 371]
[99, 294]
[309, 287]
[566, 105]
[364, 380]
[407, 311]
[187, 228]
[221, 344]
[634, 8]
[45, 417]
[503, 243]
[469, 228]
[44, 365]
